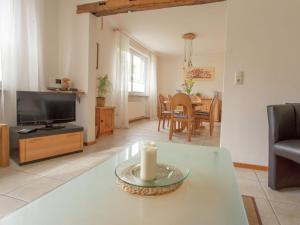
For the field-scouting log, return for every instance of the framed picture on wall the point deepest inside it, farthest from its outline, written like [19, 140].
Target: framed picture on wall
[201, 73]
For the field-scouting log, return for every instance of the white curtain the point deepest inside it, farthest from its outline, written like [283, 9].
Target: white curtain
[152, 99]
[19, 53]
[120, 78]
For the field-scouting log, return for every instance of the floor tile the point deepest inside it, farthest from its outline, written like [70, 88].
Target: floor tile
[5, 171]
[288, 195]
[73, 157]
[12, 179]
[14, 165]
[266, 212]
[262, 175]
[8, 205]
[246, 174]
[44, 167]
[35, 189]
[251, 187]
[288, 214]
[91, 161]
[67, 172]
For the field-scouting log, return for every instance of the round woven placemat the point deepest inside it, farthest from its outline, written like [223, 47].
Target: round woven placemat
[147, 191]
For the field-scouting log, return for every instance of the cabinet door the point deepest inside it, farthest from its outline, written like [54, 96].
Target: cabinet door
[106, 120]
[47, 146]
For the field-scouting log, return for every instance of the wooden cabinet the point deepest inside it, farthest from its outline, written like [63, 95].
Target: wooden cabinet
[105, 120]
[4, 145]
[32, 149]
[43, 144]
[205, 107]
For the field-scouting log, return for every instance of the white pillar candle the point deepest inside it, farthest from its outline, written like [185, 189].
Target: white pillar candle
[148, 163]
[152, 144]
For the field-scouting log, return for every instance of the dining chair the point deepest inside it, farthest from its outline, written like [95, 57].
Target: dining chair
[164, 112]
[196, 99]
[186, 117]
[209, 117]
[169, 104]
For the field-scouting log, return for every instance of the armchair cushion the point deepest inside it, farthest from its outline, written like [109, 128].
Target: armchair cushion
[289, 149]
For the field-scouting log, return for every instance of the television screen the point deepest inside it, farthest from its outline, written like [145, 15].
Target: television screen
[35, 108]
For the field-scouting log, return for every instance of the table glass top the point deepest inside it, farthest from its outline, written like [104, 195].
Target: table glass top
[210, 195]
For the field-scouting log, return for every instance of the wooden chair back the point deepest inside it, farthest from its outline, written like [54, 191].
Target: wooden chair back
[169, 102]
[213, 108]
[184, 101]
[163, 106]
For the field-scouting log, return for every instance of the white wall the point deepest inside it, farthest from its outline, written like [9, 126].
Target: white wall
[92, 74]
[170, 75]
[77, 46]
[263, 41]
[106, 44]
[48, 10]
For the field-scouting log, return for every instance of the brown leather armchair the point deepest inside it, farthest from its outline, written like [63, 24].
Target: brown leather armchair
[284, 145]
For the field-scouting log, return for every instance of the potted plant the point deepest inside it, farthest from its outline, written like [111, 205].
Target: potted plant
[103, 88]
[188, 86]
[198, 94]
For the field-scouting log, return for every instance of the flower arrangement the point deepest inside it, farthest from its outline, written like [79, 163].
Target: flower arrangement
[188, 86]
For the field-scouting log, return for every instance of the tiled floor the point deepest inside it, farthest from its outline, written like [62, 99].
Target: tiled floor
[21, 185]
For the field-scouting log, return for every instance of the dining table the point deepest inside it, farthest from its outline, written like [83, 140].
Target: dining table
[195, 103]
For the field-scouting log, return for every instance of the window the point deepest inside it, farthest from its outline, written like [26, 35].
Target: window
[138, 72]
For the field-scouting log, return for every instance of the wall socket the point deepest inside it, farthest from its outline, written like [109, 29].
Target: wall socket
[239, 78]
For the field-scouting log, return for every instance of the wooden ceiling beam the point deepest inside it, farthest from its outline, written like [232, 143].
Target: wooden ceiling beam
[111, 7]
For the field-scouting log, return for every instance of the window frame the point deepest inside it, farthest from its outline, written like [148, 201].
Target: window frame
[134, 52]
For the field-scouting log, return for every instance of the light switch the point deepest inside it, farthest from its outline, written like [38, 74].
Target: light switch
[239, 78]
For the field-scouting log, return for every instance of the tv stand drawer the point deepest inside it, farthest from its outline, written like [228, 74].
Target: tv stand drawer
[32, 149]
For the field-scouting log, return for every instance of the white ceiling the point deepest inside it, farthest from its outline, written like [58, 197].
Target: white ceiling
[161, 30]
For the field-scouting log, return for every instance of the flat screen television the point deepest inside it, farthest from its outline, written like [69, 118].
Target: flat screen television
[45, 108]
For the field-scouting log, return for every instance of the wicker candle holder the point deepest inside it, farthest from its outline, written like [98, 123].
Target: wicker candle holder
[147, 191]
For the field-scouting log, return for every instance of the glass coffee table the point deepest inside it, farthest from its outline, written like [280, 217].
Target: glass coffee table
[210, 195]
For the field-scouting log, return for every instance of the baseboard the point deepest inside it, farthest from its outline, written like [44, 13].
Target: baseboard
[138, 119]
[250, 166]
[90, 143]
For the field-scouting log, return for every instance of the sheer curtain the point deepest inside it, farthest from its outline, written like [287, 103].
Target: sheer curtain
[120, 78]
[19, 53]
[152, 99]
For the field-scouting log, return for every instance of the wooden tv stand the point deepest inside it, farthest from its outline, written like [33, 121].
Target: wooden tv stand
[44, 144]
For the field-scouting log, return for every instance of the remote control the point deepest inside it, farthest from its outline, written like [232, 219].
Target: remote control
[27, 130]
